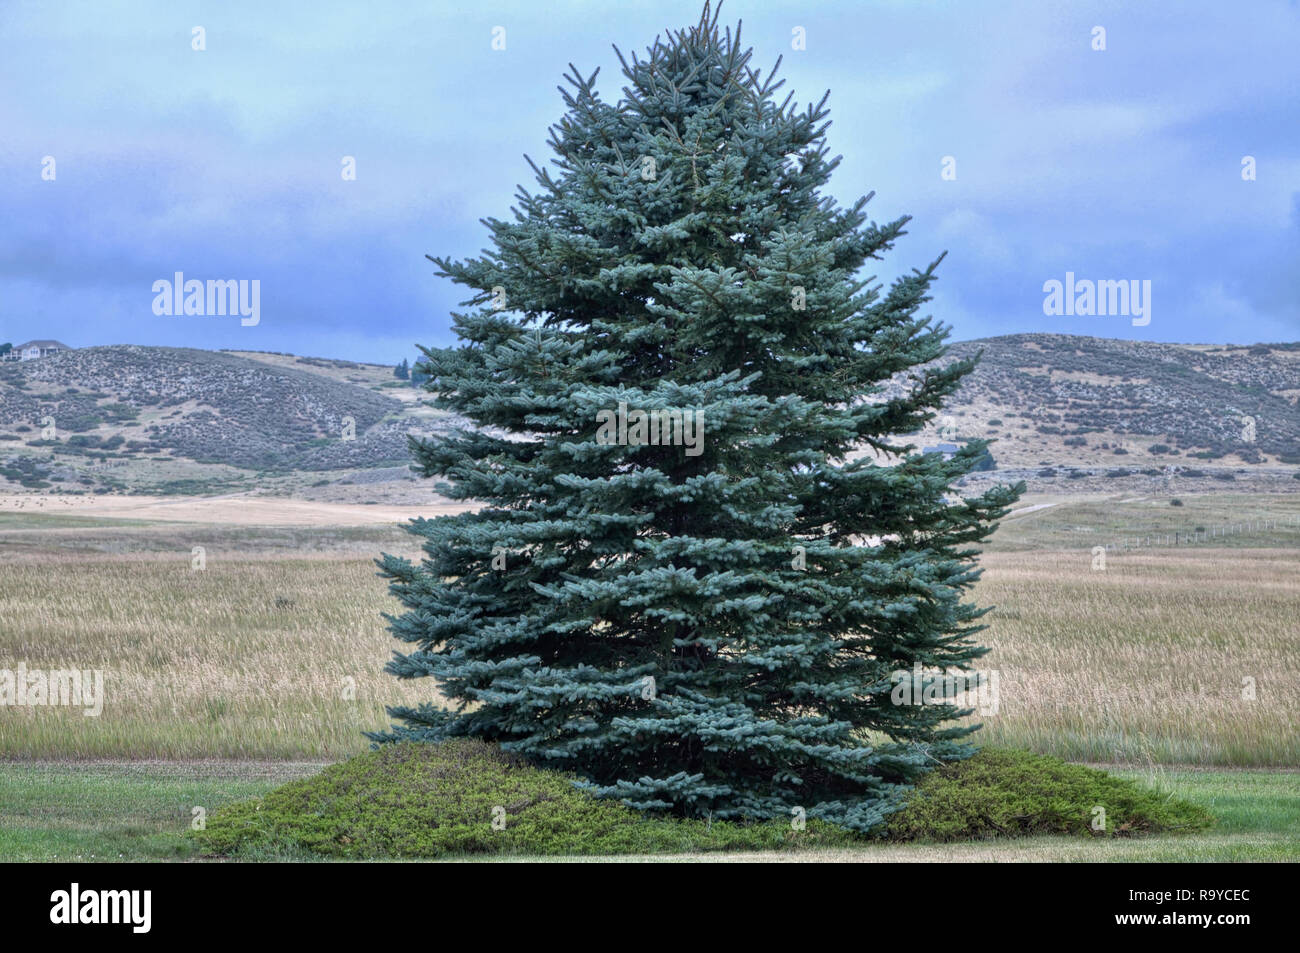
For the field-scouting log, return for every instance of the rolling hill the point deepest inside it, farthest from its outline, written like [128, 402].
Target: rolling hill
[1083, 398]
[169, 420]
[1063, 410]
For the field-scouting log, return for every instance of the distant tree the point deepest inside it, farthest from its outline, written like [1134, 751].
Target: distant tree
[402, 371]
[5, 348]
[418, 377]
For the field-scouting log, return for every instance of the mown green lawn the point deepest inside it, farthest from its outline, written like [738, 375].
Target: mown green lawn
[114, 811]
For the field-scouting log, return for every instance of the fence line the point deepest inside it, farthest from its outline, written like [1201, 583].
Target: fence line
[1189, 537]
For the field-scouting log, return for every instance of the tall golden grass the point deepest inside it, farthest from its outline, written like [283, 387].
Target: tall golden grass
[267, 658]
[282, 657]
[1150, 660]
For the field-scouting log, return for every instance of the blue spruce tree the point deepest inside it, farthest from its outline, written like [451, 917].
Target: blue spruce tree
[708, 622]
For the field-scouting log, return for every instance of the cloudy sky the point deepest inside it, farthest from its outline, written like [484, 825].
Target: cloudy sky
[1122, 163]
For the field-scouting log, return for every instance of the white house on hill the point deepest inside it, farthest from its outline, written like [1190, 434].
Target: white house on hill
[34, 349]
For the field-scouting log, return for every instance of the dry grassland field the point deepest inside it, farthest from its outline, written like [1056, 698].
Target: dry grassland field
[1177, 663]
